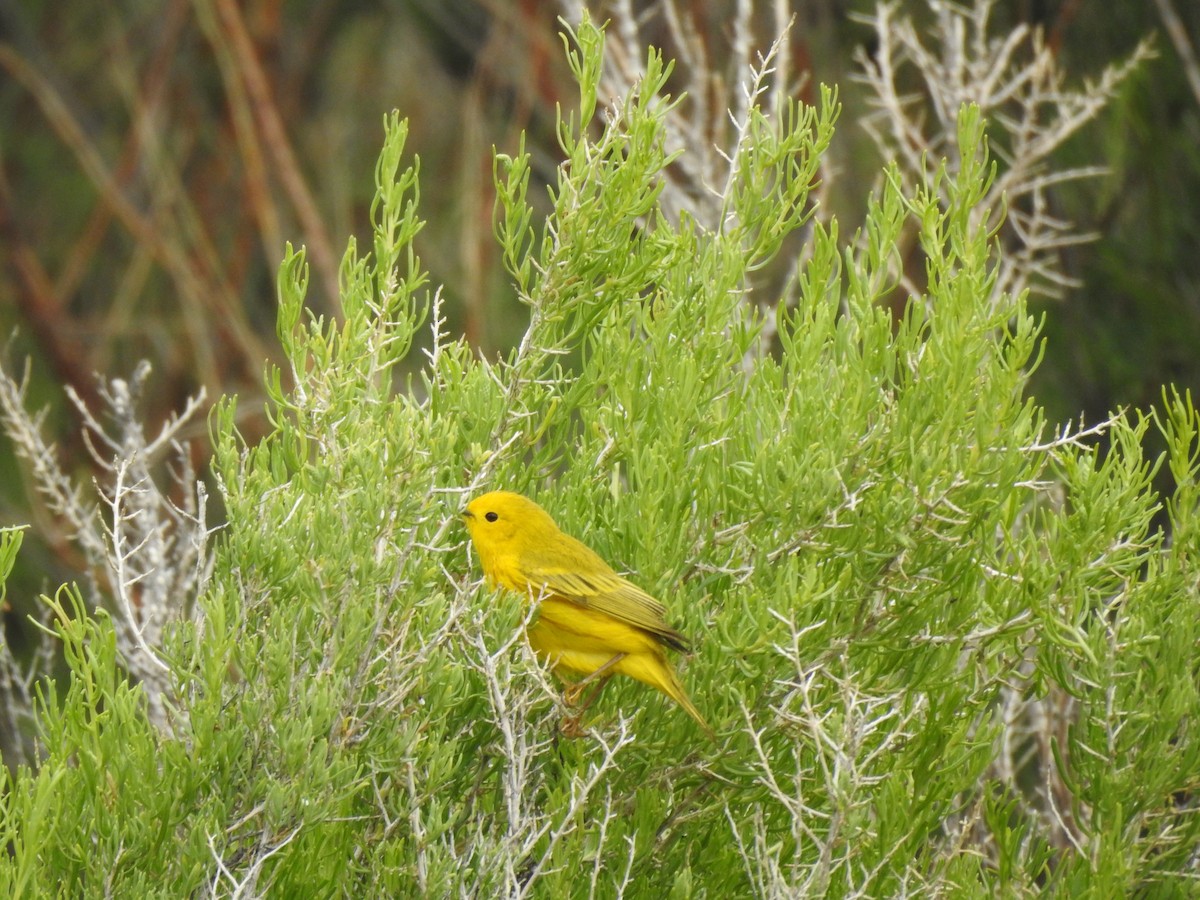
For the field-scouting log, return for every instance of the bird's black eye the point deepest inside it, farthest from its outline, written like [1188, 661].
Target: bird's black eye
[491, 517]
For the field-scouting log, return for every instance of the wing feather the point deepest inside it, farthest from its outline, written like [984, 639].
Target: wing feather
[605, 591]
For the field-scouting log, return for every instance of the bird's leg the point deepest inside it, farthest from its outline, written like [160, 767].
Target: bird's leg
[572, 725]
[571, 694]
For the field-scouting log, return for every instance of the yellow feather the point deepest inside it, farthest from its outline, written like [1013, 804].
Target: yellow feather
[588, 615]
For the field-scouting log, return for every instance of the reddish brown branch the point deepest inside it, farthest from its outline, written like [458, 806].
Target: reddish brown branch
[43, 310]
[274, 137]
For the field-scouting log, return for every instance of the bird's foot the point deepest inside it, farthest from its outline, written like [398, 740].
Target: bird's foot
[572, 693]
[572, 727]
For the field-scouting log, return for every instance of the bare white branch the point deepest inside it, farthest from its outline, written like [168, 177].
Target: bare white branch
[1017, 84]
[147, 556]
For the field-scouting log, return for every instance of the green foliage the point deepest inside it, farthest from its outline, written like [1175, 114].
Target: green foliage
[942, 650]
[10, 545]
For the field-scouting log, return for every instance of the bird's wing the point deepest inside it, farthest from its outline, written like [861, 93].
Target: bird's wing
[609, 593]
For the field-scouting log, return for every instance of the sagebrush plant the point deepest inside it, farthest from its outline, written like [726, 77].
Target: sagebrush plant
[143, 546]
[889, 563]
[917, 83]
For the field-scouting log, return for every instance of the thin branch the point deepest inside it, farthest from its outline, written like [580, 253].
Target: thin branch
[1183, 45]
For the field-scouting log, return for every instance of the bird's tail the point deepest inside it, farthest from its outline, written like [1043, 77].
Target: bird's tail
[686, 702]
[669, 684]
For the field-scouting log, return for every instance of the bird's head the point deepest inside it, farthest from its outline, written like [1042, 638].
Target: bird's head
[503, 521]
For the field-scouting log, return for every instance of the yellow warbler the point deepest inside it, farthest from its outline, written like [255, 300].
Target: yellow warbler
[590, 620]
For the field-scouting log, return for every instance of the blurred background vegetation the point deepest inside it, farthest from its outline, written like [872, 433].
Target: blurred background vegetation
[155, 157]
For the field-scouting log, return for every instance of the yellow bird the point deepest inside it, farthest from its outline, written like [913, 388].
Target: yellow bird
[590, 620]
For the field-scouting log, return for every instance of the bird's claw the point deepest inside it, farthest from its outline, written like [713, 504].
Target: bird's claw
[572, 727]
[571, 694]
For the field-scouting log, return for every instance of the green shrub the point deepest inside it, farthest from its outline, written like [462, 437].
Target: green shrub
[946, 648]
